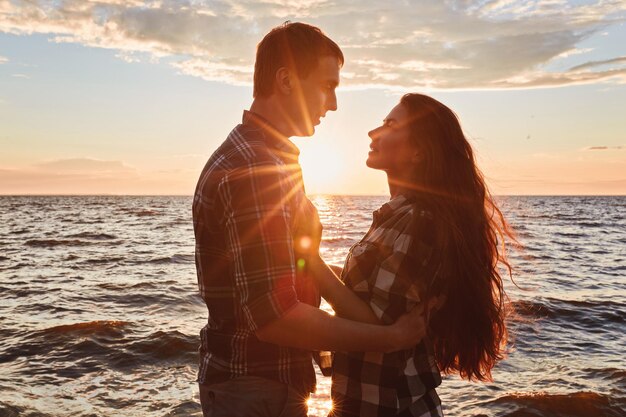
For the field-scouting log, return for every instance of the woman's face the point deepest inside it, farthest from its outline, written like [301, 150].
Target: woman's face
[392, 149]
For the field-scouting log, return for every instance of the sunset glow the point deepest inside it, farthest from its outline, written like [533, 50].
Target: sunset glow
[108, 101]
[320, 166]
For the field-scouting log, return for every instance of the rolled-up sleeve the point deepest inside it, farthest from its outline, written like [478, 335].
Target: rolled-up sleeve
[257, 221]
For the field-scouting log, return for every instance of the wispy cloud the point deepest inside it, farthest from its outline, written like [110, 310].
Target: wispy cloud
[3, 60]
[618, 60]
[93, 176]
[453, 44]
[84, 166]
[604, 148]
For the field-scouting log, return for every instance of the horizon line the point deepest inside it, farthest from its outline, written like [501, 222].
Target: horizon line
[308, 195]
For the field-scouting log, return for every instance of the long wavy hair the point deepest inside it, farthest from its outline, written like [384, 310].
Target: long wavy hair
[468, 331]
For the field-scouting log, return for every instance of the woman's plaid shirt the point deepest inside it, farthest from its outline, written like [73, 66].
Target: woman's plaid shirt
[249, 213]
[389, 269]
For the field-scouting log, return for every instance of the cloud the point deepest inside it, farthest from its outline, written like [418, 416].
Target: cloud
[548, 156]
[618, 60]
[455, 44]
[3, 60]
[550, 187]
[84, 166]
[93, 176]
[603, 148]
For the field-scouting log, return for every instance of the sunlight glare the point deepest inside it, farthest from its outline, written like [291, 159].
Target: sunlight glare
[320, 166]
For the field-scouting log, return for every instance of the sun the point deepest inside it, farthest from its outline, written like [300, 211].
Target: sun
[321, 167]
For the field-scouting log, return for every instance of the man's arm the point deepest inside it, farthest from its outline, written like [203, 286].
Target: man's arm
[310, 328]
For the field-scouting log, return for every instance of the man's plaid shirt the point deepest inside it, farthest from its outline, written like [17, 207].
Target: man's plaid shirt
[389, 269]
[249, 213]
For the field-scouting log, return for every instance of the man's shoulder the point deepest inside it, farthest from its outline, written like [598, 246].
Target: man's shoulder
[244, 149]
[245, 146]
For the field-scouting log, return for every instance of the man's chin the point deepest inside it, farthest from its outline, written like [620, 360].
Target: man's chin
[305, 131]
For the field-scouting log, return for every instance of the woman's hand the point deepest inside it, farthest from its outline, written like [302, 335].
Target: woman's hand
[409, 329]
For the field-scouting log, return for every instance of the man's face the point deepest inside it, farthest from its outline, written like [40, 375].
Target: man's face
[314, 96]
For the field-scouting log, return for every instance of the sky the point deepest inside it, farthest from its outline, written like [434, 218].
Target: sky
[132, 97]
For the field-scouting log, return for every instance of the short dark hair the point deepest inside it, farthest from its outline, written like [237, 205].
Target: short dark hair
[297, 46]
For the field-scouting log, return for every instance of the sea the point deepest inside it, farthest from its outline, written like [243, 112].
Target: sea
[100, 314]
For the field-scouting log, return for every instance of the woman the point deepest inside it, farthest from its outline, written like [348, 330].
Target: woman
[436, 243]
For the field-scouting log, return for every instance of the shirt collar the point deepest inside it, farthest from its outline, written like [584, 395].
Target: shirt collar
[391, 206]
[275, 139]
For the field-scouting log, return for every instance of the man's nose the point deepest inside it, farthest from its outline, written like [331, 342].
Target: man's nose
[331, 102]
[373, 134]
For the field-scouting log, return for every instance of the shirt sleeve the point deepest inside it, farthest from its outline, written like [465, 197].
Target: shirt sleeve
[402, 273]
[258, 237]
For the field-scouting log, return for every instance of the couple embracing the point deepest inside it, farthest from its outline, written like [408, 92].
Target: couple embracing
[420, 293]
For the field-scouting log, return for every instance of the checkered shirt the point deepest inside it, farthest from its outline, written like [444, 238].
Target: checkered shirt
[249, 212]
[389, 269]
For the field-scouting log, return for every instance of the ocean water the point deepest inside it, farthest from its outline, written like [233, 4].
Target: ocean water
[99, 314]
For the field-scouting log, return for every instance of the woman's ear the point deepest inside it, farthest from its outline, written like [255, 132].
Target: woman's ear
[283, 81]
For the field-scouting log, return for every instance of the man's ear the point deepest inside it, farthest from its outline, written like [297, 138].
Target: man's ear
[283, 81]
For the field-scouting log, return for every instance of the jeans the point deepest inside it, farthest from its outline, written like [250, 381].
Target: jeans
[251, 396]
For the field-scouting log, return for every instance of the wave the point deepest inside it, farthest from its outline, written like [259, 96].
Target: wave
[174, 259]
[102, 261]
[570, 234]
[9, 410]
[92, 346]
[608, 374]
[577, 404]
[94, 236]
[17, 266]
[185, 408]
[602, 311]
[141, 285]
[141, 213]
[58, 339]
[338, 241]
[593, 224]
[20, 292]
[165, 346]
[138, 297]
[87, 327]
[40, 307]
[50, 243]
[93, 221]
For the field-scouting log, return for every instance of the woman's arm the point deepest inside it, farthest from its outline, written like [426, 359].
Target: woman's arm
[337, 270]
[345, 302]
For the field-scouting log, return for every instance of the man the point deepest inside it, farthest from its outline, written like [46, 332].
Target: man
[257, 237]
